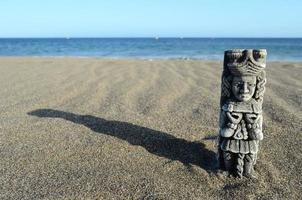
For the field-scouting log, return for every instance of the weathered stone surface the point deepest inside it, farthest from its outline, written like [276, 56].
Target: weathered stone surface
[240, 124]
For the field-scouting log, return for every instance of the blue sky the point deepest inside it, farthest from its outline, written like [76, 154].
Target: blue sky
[151, 18]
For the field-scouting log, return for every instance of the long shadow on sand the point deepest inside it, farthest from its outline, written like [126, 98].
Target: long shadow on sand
[156, 142]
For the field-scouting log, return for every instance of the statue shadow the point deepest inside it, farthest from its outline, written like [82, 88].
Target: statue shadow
[156, 142]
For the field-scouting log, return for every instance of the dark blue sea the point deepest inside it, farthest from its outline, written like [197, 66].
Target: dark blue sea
[289, 49]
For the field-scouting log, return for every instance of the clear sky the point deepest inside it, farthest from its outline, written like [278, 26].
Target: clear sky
[150, 18]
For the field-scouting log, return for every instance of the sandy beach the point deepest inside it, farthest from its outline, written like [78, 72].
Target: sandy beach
[91, 128]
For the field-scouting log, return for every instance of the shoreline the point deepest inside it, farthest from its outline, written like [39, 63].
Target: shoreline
[134, 58]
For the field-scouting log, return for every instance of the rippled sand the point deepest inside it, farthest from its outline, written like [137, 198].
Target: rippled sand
[135, 129]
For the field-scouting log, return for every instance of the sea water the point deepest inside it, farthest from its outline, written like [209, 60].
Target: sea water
[289, 49]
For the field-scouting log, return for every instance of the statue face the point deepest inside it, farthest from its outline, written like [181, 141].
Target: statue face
[243, 87]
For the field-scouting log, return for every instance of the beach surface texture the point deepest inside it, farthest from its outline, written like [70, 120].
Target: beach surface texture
[87, 128]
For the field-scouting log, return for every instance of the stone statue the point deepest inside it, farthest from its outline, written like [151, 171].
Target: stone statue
[240, 122]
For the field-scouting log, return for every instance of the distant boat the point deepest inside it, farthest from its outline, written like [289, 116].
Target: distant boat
[157, 38]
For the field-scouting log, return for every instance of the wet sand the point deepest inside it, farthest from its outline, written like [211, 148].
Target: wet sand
[137, 129]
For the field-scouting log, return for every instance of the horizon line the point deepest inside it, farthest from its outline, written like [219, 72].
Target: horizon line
[150, 37]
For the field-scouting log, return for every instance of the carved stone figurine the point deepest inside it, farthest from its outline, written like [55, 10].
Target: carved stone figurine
[240, 123]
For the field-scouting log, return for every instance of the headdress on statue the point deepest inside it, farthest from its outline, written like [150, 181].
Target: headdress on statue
[245, 62]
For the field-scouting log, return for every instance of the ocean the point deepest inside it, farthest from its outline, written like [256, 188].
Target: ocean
[279, 49]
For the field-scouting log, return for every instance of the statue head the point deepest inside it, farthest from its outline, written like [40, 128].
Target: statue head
[243, 87]
[243, 77]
